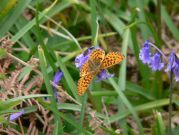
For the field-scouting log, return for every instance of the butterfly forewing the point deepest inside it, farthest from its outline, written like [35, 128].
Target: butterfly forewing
[111, 59]
[94, 61]
[97, 56]
[83, 83]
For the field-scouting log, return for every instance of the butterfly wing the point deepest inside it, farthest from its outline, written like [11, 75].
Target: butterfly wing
[85, 69]
[84, 83]
[95, 60]
[111, 59]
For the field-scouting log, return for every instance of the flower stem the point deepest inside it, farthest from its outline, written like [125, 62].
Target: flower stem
[153, 45]
[170, 105]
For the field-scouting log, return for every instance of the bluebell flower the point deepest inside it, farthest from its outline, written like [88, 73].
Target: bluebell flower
[171, 62]
[173, 65]
[15, 116]
[156, 62]
[176, 72]
[58, 76]
[104, 75]
[145, 54]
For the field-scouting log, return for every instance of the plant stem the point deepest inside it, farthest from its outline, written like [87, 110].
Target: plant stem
[82, 113]
[153, 45]
[159, 30]
[170, 106]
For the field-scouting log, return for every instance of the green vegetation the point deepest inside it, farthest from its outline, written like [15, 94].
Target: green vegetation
[40, 38]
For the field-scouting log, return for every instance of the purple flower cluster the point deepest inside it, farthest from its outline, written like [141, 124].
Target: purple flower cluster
[146, 57]
[154, 61]
[82, 58]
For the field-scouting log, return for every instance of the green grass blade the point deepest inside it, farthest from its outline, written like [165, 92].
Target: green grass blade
[169, 23]
[5, 7]
[140, 90]
[57, 8]
[55, 131]
[82, 113]
[5, 105]
[27, 40]
[140, 108]
[40, 39]
[94, 22]
[144, 71]
[122, 72]
[114, 21]
[68, 78]
[159, 126]
[144, 29]
[127, 104]
[63, 116]
[49, 87]
[122, 122]
[69, 106]
[103, 93]
[11, 19]
[27, 97]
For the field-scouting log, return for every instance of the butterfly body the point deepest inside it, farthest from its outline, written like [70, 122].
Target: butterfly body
[94, 67]
[96, 62]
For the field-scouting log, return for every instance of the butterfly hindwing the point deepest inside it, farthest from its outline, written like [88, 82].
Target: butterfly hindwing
[86, 69]
[84, 82]
[112, 58]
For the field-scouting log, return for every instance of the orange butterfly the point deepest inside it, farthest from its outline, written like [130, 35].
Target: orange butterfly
[96, 62]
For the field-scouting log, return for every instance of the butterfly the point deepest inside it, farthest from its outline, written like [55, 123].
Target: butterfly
[97, 61]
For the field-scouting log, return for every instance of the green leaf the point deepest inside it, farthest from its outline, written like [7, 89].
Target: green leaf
[169, 23]
[3, 53]
[159, 126]
[25, 71]
[26, 97]
[127, 104]
[114, 21]
[56, 9]
[140, 90]
[69, 106]
[94, 22]
[49, 87]
[82, 112]
[6, 6]
[2, 76]
[5, 105]
[68, 78]
[3, 119]
[55, 131]
[7, 23]
[16, 101]
[140, 108]
[122, 71]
